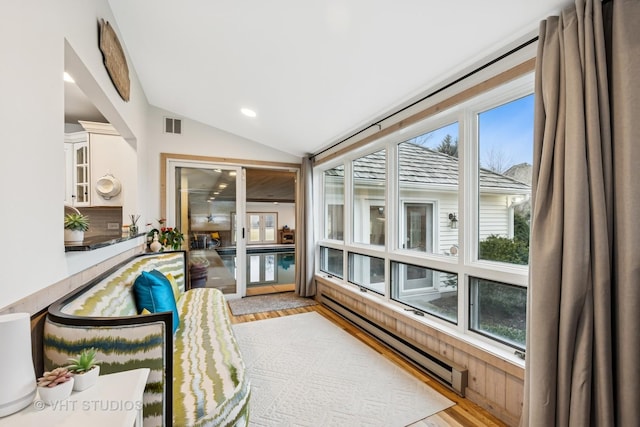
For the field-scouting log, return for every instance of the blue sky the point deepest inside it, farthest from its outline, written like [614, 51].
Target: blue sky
[507, 130]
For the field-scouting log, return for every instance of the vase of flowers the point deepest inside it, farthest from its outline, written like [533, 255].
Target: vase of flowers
[169, 237]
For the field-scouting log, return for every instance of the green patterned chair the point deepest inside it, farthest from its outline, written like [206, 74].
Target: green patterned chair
[197, 375]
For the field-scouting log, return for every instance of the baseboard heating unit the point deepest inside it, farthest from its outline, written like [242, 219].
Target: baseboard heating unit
[437, 366]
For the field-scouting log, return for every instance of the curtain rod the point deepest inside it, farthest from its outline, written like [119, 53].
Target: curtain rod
[435, 92]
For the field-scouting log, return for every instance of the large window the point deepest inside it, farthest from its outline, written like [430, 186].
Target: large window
[367, 272]
[369, 183]
[331, 262]
[499, 311]
[334, 203]
[431, 291]
[435, 206]
[262, 227]
[505, 146]
[428, 191]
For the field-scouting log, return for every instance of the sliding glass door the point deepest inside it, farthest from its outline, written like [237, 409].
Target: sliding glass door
[205, 202]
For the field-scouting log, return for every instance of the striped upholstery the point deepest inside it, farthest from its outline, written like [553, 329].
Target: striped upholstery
[120, 348]
[209, 386]
[112, 296]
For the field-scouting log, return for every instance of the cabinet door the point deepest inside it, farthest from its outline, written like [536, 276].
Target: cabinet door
[68, 173]
[81, 174]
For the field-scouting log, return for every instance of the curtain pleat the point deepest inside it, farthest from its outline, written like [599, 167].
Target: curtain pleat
[305, 285]
[624, 51]
[582, 292]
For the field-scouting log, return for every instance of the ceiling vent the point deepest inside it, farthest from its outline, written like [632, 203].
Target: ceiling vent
[172, 125]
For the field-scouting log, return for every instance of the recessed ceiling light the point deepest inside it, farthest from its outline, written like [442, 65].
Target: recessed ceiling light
[222, 186]
[248, 112]
[232, 173]
[216, 192]
[67, 78]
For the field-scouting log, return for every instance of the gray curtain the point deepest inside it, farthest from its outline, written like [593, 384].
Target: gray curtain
[583, 348]
[305, 243]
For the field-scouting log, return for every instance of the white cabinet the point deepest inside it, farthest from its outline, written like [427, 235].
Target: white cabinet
[92, 154]
[77, 169]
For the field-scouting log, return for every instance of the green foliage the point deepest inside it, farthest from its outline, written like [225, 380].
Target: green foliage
[502, 300]
[169, 237]
[514, 335]
[448, 146]
[496, 248]
[503, 310]
[514, 251]
[84, 362]
[521, 226]
[76, 221]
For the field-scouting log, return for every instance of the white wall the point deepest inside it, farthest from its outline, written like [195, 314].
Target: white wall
[201, 140]
[111, 154]
[32, 45]
[37, 40]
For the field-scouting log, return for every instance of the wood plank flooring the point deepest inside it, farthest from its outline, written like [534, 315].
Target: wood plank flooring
[270, 289]
[463, 414]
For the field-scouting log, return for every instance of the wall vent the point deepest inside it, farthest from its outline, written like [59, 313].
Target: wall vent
[442, 369]
[172, 125]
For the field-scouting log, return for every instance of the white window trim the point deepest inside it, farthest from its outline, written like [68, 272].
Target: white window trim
[466, 264]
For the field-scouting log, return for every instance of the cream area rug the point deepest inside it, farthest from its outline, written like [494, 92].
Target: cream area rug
[271, 302]
[306, 371]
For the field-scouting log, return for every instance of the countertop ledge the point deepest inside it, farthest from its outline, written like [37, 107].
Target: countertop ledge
[97, 242]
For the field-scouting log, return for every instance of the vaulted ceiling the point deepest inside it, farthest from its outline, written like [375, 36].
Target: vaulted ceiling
[313, 71]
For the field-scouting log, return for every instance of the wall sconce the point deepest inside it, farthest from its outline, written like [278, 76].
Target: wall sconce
[453, 221]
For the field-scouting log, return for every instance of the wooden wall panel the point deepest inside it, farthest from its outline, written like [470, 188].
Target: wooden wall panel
[493, 383]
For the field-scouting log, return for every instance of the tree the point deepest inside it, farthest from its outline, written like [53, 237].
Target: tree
[422, 140]
[448, 146]
[497, 160]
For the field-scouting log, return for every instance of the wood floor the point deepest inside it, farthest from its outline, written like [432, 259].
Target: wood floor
[270, 289]
[463, 414]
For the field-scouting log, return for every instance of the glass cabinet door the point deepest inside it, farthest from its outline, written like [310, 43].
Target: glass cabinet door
[81, 193]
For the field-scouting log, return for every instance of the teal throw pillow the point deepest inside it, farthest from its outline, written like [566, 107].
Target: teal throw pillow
[152, 291]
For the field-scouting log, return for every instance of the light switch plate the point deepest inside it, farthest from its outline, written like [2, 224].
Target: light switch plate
[113, 226]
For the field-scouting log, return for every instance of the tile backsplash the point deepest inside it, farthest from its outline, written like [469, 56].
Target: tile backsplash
[103, 220]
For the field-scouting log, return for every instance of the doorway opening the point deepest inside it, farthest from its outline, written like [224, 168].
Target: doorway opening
[239, 222]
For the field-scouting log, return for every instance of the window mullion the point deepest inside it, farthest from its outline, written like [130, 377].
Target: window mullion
[348, 212]
[392, 230]
[467, 149]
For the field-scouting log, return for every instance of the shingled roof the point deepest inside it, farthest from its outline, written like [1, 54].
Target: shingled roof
[424, 166]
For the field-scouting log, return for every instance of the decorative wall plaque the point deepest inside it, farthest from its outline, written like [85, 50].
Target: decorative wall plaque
[114, 59]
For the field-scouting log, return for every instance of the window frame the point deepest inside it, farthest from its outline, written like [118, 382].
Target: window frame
[466, 264]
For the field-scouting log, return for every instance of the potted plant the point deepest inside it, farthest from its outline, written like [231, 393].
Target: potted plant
[55, 385]
[75, 224]
[170, 238]
[85, 369]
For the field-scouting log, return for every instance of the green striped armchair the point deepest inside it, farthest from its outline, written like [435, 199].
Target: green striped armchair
[197, 375]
